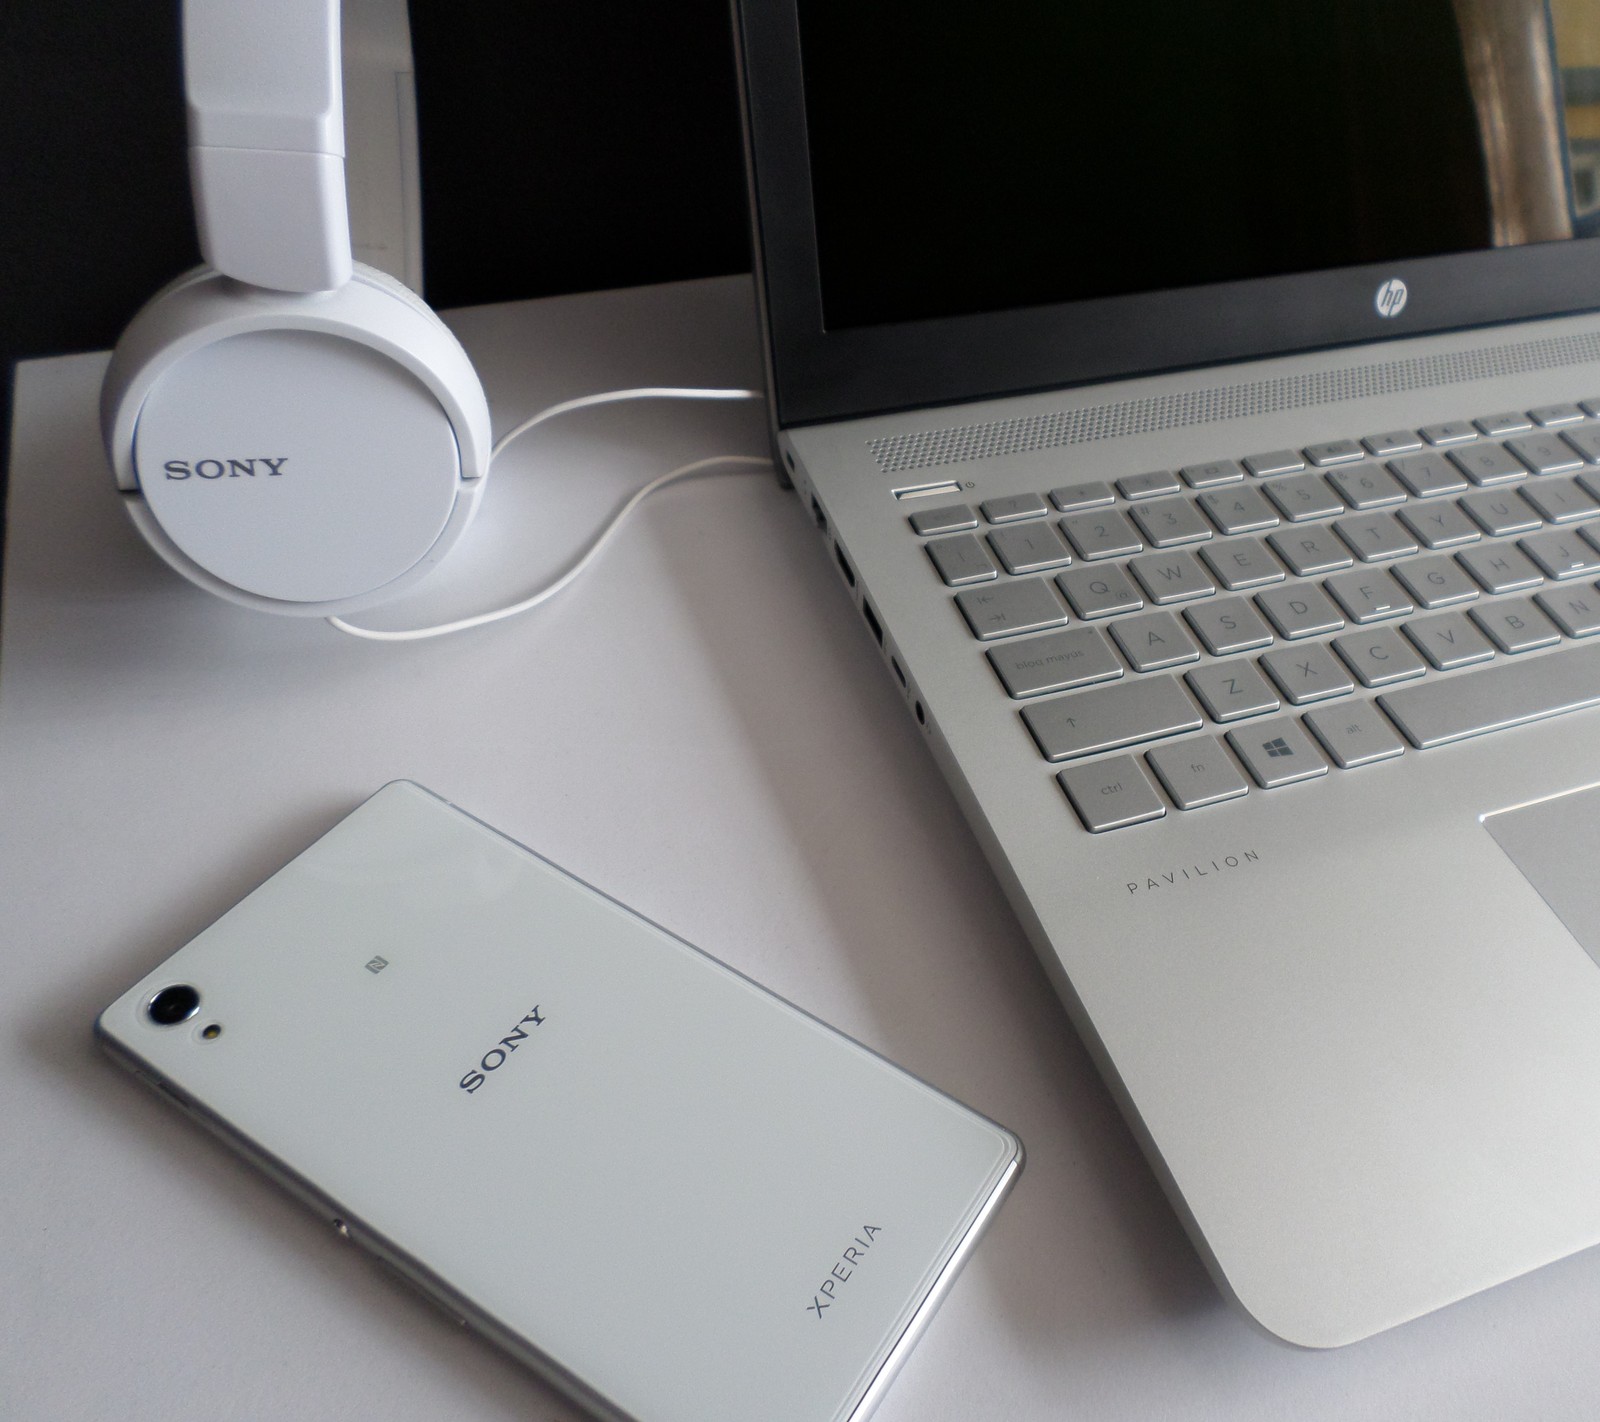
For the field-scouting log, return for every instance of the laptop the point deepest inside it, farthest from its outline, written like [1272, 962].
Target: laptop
[1201, 408]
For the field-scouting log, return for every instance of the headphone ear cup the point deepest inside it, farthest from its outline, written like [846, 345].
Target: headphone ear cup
[393, 286]
[302, 454]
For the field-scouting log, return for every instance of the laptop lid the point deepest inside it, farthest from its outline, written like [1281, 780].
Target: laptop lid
[956, 201]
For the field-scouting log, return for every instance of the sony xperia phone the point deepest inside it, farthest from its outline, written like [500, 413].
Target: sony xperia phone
[676, 1196]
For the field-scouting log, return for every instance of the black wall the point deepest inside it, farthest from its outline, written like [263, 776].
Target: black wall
[567, 145]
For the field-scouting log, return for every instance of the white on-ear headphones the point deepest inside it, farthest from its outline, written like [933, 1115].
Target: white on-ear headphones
[290, 430]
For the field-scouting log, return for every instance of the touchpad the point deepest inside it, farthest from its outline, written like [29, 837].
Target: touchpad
[1556, 844]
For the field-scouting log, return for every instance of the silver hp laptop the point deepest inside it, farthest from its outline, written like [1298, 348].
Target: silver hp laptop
[1202, 408]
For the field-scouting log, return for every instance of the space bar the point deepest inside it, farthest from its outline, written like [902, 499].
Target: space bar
[1436, 713]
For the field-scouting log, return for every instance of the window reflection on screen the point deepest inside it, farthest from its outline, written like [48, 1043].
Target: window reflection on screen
[1577, 36]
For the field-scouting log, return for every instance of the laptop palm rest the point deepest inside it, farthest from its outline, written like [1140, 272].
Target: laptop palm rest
[1554, 843]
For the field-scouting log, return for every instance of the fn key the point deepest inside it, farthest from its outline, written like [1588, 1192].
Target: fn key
[1109, 794]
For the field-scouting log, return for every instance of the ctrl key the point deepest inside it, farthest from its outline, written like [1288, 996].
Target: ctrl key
[1109, 794]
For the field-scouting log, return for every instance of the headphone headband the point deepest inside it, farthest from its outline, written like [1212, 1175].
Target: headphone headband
[266, 140]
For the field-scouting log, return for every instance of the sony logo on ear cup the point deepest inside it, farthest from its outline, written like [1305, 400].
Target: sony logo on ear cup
[220, 468]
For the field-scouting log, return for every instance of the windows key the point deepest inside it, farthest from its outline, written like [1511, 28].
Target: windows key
[1277, 752]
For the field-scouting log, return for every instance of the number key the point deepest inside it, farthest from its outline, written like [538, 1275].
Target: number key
[1101, 534]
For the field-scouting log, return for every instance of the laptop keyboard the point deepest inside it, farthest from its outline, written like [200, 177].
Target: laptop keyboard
[1312, 611]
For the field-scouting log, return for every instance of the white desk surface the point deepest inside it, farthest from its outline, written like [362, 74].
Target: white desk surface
[701, 727]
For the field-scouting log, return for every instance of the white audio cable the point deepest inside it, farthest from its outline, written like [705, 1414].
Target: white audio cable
[683, 471]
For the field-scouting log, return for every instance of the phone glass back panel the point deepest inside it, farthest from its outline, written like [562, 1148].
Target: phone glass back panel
[671, 1192]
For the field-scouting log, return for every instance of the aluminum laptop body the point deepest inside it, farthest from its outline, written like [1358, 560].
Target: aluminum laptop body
[1316, 887]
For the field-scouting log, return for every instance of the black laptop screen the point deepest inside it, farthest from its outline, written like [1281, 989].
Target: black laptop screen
[972, 157]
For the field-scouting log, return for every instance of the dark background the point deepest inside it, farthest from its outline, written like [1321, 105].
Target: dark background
[566, 145]
[1038, 152]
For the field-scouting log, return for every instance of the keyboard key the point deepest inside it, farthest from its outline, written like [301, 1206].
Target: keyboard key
[1368, 486]
[1586, 442]
[1197, 773]
[1428, 475]
[1548, 415]
[1436, 582]
[1007, 609]
[1154, 641]
[1488, 464]
[1277, 752]
[1166, 523]
[1030, 548]
[1334, 451]
[961, 559]
[1229, 624]
[1375, 537]
[1058, 661]
[1302, 610]
[1435, 713]
[1242, 563]
[1545, 454]
[1560, 501]
[1212, 473]
[1276, 461]
[1171, 577]
[1309, 551]
[1369, 595]
[1516, 626]
[1111, 794]
[1101, 534]
[1393, 442]
[1099, 592]
[950, 518]
[1561, 553]
[1450, 432]
[1014, 507]
[1440, 525]
[1448, 640]
[1511, 422]
[1148, 486]
[1308, 673]
[1379, 657]
[1233, 690]
[1110, 717]
[1305, 496]
[1069, 498]
[1576, 611]
[1501, 568]
[1499, 513]
[1242, 510]
[1355, 735]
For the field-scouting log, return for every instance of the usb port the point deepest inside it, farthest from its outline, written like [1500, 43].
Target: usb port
[872, 621]
[844, 565]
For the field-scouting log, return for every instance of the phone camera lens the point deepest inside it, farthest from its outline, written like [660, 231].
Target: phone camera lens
[173, 1005]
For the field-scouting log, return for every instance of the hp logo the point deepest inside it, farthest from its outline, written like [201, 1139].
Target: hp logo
[1391, 297]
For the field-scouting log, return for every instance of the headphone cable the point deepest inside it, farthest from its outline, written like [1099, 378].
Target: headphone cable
[683, 471]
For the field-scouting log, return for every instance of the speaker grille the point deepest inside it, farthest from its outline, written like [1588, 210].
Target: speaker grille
[959, 443]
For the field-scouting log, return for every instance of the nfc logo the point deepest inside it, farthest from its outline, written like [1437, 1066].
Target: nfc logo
[1391, 297]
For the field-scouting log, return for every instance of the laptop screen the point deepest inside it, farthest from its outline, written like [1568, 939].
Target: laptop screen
[972, 157]
[958, 199]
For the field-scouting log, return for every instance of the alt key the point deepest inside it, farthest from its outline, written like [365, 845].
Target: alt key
[1110, 794]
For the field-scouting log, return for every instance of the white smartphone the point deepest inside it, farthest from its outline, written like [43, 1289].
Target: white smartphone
[674, 1195]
